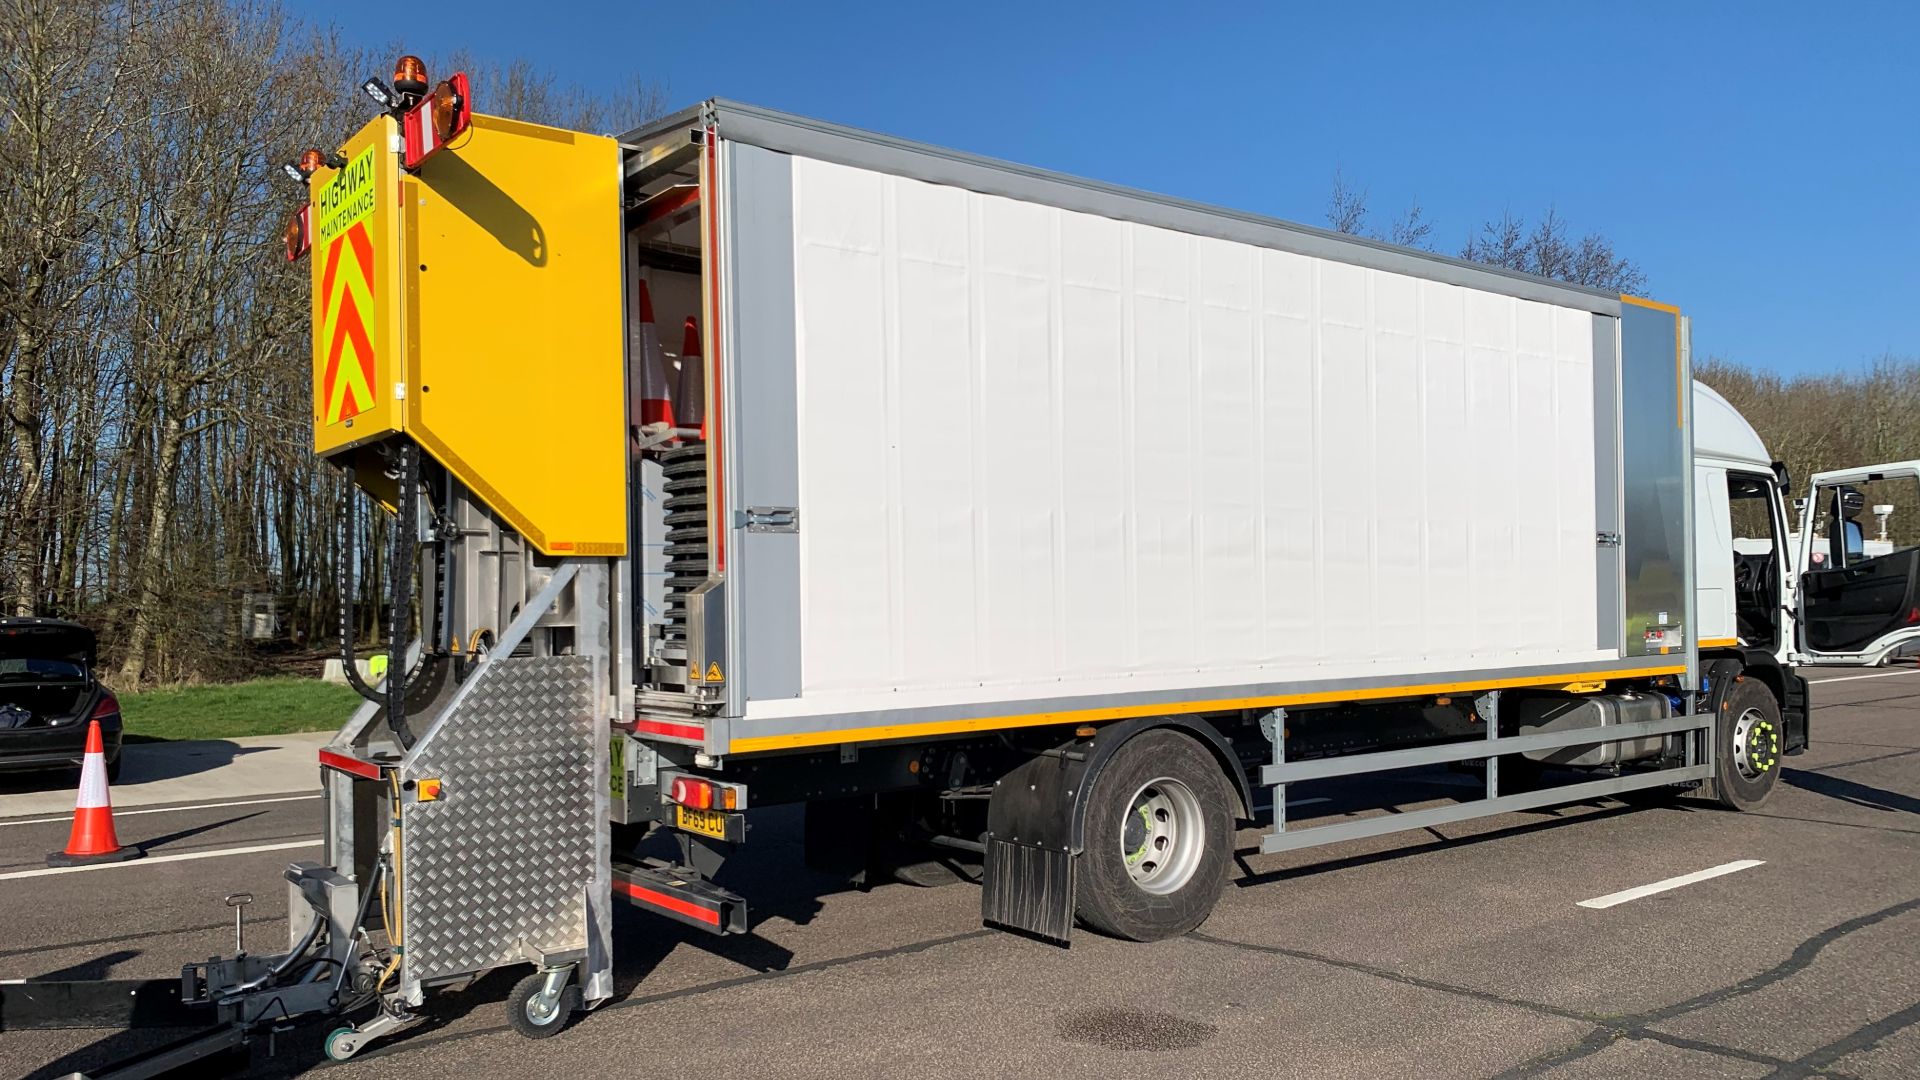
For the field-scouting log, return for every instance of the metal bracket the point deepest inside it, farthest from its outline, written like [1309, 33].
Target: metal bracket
[1273, 727]
[1607, 539]
[768, 519]
[1487, 707]
[660, 434]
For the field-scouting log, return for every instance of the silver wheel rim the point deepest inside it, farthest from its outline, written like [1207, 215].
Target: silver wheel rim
[1162, 836]
[1756, 744]
[542, 1010]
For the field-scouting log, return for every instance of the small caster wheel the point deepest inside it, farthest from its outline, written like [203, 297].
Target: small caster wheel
[342, 1043]
[535, 1013]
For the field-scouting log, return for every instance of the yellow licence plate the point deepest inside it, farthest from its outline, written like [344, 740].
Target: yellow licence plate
[705, 822]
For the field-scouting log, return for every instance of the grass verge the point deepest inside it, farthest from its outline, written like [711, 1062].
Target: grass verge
[227, 710]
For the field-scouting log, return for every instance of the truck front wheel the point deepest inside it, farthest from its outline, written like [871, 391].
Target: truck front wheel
[1749, 733]
[1159, 835]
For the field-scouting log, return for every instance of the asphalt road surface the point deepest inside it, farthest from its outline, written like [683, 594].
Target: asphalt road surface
[1457, 952]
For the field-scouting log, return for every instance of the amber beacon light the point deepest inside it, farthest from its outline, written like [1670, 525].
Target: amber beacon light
[410, 75]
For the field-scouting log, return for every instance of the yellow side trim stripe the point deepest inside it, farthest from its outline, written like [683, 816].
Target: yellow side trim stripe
[1719, 642]
[1122, 712]
[1640, 301]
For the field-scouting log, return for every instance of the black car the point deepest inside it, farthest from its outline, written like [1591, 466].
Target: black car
[47, 695]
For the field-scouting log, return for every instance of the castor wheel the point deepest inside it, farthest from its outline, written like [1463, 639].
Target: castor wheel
[538, 1008]
[342, 1043]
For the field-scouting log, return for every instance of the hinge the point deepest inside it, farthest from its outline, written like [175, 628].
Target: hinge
[768, 519]
[1609, 539]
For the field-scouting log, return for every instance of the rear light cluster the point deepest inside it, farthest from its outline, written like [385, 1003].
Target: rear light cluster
[438, 119]
[107, 709]
[696, 794]
[299, 234]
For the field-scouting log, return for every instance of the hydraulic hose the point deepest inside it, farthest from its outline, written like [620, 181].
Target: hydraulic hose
[403, 552]
[403, 560]
[343, 583]
[280, 966]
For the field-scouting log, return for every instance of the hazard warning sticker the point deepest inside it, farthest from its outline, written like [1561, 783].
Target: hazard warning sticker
[713, 673]
[343, 214]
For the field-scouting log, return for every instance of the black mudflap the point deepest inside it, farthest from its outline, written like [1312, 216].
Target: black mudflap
[1028, 890]
[1797, 714]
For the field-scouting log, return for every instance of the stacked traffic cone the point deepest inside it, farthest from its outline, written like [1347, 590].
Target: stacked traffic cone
[92, 839]
[648, 378]
[692, 391]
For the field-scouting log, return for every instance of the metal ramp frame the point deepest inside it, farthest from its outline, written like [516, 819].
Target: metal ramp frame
[510, 860]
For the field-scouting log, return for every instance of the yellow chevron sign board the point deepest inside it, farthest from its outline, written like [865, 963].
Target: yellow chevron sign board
[355, 304]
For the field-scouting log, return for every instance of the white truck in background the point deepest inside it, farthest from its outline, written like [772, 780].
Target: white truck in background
[1811, 591]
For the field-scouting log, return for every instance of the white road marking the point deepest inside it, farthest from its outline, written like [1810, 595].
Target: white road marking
[1876, 675]
[184, 856]
[1640, 891]
[165, 809]
[1308, 802]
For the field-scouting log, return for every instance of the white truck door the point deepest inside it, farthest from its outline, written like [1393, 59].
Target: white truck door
[1859, 599]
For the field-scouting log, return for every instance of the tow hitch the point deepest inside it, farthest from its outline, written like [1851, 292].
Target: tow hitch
[327, 971]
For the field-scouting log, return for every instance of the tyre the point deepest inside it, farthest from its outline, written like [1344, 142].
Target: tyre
[529, 1015]
[1747, 757]
[1159, 837]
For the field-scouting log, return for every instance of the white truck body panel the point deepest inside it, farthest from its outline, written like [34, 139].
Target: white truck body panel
[1044, 453]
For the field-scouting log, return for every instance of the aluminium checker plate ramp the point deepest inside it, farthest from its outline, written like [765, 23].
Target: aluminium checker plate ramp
[498, 866]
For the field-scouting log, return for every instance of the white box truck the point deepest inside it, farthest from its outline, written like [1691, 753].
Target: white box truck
[983, 510]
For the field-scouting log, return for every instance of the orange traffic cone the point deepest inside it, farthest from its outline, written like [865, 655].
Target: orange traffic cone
[692, 391]
[92, 839]
[648, 379]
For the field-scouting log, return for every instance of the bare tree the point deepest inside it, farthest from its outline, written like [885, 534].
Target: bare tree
[1507, 241]
[1346, 206]
[63, 75]
[1347, 213]
[523, 91]
[156, 469]
[1834, 420]
[1412, 229]
[1544, 250]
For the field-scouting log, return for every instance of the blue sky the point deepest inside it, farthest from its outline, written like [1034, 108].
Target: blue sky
[1758, 160]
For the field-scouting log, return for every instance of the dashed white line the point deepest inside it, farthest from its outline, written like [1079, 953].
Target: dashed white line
[165, 809]
[1641, 891]
[1875, 675]
[151, 860]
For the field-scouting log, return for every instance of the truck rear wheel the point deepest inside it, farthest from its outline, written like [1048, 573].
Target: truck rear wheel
[1747, 763]
[1159, 834]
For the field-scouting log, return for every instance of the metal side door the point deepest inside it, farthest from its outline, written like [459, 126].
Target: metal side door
[1856, 608]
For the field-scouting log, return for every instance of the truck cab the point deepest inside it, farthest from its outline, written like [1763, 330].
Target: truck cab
[1805, 588]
